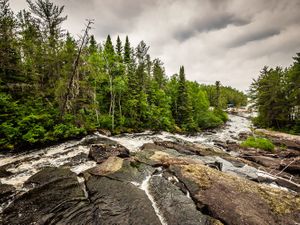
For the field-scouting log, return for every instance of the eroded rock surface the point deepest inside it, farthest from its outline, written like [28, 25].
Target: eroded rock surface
[101, 152]
[171, 181]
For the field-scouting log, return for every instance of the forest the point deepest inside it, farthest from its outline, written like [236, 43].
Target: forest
[276, 95]
[54, 87]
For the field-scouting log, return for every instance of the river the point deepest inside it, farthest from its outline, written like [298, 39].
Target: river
[24, 165]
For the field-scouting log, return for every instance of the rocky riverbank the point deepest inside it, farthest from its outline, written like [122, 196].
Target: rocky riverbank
[152, 179]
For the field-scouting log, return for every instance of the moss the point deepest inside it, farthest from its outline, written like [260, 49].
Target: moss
[199, 175]
[280, 202]
[260, 143]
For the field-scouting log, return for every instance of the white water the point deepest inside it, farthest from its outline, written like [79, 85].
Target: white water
[234, 126]
[145, 187]
[25, 165]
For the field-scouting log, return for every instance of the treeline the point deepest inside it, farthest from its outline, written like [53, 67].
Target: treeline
[54, 87]
[276, 95]
[224, 96]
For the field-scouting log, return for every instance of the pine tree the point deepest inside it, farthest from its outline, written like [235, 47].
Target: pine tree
[127, 51]
[9, 55]
[119, 48]
[184, 111]
[49, 18]
[218, 94]
[93, 47]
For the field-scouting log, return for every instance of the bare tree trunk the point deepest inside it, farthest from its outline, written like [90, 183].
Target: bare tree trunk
[120, 106]
[68, 96]
[95, 103]
[111, 94]
[113, 113]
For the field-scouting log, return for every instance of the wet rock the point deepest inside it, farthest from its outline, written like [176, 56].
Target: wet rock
[176, 207]
[120, 202]
[230, 142]
[101, 152]
[58, 198]
[56, 189]
[77, 159]
[220, 143]
[152, 146]
[264, 160]
[111, 165]
[6, 191]
[234, 200]
[291, 166]
[215, 165]
[50, 175]
[4, 172]
[104, 132]
[96, 139]
[244, 135]
[190, 149]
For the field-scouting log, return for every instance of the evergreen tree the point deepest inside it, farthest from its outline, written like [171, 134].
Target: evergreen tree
[127, 51]
[55, 87]
[9, 55]
[119, 48]
[184, 111]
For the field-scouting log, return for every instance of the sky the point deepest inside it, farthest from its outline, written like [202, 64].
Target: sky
[225, 40]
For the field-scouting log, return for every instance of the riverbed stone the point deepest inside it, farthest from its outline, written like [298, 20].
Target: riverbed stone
[101, 152]
[6, 191]
[58, 198]
[120, 203]
[4, 172]
[176, 207]
[55, 189]
[234, 200]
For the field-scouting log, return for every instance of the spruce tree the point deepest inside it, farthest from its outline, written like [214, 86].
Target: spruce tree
[184, 112]
[119, 47]
[127, 51]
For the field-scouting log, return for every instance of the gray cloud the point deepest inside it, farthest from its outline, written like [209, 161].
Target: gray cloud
[255, 36]
[226, 40]
[199, 25]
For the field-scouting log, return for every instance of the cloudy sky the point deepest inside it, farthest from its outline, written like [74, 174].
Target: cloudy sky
[226, 40]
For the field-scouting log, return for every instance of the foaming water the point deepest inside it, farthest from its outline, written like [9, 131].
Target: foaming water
[25, 165]
[145, 187]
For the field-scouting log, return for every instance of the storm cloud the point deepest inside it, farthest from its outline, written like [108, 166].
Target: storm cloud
[226, 40]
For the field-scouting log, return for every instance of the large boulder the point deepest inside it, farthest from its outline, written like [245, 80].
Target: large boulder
[117, 202]
[176, 206]
[235, 200]
[101, 152]
[230, 198]
[189, 148]
[58, 196]
[54, 189]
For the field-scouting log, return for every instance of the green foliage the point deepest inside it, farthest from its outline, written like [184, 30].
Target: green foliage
[223, 97]
[54, 88]
[260, 143]
[276, 96]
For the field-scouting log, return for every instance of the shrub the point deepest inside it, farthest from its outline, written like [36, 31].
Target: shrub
[260, 143]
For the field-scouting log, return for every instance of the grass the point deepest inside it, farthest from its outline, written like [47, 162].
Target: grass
[260, 143]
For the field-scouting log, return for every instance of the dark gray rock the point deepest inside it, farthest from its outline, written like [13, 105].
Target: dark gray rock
[118, 202]
[101, 152]
[104, 132]
[95, 139]
[176, 207]
[6, 191]
[4, 172]
[56, 189]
